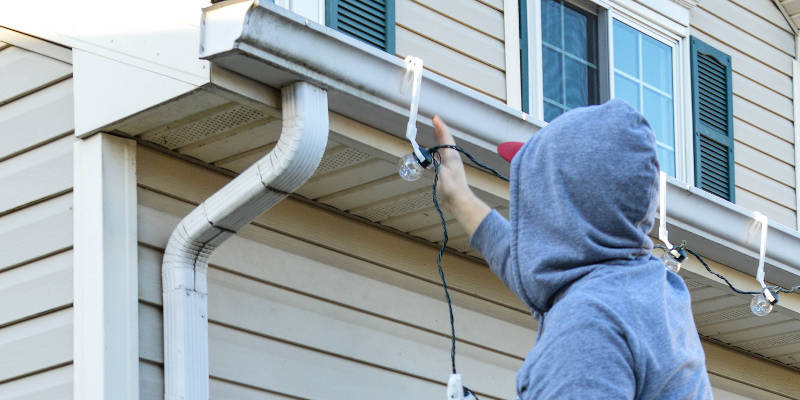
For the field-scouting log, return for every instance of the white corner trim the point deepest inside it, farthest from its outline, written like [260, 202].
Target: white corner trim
[106, 330]
[513, 73]
[796, 95]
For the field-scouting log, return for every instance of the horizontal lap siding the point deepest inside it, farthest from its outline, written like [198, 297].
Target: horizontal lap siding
[289, 298]
[36, 120]
[459, 39]
[761, 47]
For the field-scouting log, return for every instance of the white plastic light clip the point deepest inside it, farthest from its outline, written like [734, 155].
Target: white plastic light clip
[413, 73]
[761, 218]
[455, 389]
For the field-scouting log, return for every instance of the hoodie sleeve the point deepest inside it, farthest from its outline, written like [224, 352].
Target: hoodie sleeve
[493, 239]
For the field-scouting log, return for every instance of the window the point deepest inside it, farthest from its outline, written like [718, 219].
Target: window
[643, 78]
[592, 51]
[371, 21]
[569, 52]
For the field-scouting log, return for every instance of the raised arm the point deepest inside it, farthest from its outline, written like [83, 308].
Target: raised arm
[489, 232]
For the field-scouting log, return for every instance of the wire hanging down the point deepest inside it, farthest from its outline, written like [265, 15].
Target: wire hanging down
[434, 151]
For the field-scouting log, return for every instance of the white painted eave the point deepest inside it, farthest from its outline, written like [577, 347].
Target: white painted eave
[275, 46]
[269, 44]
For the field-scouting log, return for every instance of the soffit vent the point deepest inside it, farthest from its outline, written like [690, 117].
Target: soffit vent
[339, 158]
[396, 207]
[202, 125]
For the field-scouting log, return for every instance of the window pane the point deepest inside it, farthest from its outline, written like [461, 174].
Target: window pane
[569, 57]
[551, 22]
[634, 52]
[580, 34]
[657, 64]
[551, 111]
[666, 159]
[581, 83]
[626, 49]
[627, 90]
[553, 75]
[659, 113]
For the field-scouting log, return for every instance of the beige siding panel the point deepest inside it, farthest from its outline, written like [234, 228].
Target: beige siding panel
[774, 211]
[36, 345]
[48, 385]
[758, 139]
[736, 37]
[452, 64]
[439, 28]
[324, 228]
[746, 65]
[751, 23]
[296, 319]
[36, 288]
[747, 111]
[151, 387]
[321, 273]
[36, 174]
[745, 87]
[758, 161]
[23, 72]
[765, 187]
[269, 364]
[36, 118]
[471, 13]
[36, 231]
[767, 10]
[726, 389]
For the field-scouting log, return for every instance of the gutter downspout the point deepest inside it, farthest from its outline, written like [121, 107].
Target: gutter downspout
[268, 181]
[796, 122]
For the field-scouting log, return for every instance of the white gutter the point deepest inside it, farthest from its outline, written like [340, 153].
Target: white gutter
[270, 179]
[270, 44]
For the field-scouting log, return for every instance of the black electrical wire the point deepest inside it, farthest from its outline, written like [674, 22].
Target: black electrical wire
[434, 151]
[795, 289]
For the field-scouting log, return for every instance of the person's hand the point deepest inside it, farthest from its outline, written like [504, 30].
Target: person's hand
[452, 188]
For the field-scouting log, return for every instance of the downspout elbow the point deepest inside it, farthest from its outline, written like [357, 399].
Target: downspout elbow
[269, 180]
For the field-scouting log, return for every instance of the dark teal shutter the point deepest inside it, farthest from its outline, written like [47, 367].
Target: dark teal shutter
[712, 116]
[371, 21]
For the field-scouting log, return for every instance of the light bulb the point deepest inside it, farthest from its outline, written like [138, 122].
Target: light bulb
[409, 168]
[760, 306]
[672, 263]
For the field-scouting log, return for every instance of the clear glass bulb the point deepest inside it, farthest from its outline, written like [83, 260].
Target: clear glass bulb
[759, 305]
[671, 263]
[409, 168]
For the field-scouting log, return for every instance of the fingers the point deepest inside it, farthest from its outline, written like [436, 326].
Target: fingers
[441, 133]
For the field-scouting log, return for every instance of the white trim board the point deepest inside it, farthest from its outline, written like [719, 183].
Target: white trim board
[106, 337]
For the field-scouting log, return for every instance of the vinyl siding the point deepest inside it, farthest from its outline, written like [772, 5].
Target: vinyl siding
[36, 120]
[303, 292]
[761, 47]
[460, 39]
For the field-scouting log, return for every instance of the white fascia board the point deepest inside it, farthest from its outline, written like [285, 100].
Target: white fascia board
[272, 45]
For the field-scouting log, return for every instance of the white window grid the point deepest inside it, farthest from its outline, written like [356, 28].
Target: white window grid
[647, 22]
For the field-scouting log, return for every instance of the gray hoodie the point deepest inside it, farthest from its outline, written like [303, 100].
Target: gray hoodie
[614, 323]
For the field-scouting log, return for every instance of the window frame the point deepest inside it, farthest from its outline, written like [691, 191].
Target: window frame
[646, 21]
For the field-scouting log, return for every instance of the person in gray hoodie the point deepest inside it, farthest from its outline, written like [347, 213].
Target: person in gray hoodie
[614, 323]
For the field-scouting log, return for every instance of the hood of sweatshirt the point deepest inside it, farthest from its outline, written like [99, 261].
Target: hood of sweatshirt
[584, 193]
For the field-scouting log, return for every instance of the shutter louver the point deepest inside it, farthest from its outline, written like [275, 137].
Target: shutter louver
[371, 21]
[712, 120]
